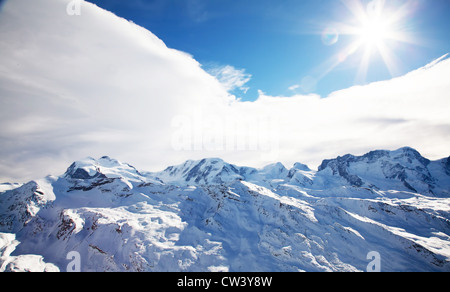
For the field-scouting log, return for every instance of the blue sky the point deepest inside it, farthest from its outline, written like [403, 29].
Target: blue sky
[74, 85]
[278, 46]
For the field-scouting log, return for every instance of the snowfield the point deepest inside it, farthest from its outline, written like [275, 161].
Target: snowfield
[72, 84]
[209, 215]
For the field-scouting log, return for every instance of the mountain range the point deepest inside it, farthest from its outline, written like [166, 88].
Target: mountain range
[209, 215]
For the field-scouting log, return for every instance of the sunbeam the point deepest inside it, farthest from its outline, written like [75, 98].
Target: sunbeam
[375, 27]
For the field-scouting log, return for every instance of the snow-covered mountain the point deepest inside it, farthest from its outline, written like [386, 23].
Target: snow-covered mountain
[210, 215]
[404, 169]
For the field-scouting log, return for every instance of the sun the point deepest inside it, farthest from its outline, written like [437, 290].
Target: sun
[373, 32]
[375, 26]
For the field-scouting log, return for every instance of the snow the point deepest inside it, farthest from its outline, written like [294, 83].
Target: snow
[208, 215]
[202, 215]
[8, 186]
[21, 263]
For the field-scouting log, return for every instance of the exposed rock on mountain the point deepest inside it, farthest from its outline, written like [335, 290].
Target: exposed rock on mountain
[209, 215]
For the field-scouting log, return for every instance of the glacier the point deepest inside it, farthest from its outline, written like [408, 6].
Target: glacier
[209, 215]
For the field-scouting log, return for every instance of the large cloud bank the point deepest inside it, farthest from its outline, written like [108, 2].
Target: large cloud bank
[94, 84]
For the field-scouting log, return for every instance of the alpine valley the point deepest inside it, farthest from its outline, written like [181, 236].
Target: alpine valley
[210, 215]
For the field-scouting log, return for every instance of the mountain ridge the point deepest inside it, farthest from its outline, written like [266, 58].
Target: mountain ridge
[209, 215]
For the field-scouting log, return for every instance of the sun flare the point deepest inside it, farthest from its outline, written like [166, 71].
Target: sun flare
[373, 31]
[375, 26]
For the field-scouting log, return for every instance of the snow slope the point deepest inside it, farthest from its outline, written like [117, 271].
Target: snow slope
[21, 263]
[209, 215]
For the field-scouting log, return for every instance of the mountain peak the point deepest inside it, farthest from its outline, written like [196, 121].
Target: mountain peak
[301, 166]
[208, 170]
[106, 210]
[411, 155]
[405, 152]
[405, 165]
[275, 167]
[84, 169]
[104, 167]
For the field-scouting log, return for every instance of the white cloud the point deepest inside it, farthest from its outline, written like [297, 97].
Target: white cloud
[405, 111]
[231, 78]
[95, 84]
[89, 85]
